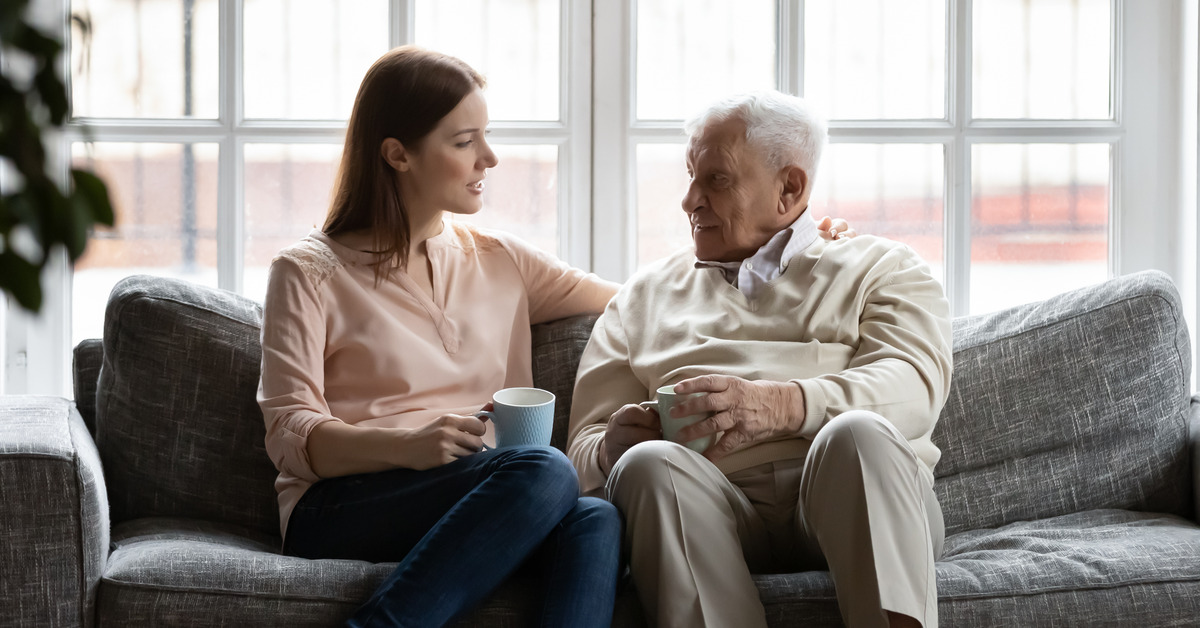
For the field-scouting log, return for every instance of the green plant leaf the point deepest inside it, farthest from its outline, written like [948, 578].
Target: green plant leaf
[20, 278]
[43, 47]
[53, 93]
[96, 193]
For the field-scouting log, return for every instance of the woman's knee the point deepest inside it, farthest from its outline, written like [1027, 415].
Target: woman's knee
[596, 516]
[545, 470]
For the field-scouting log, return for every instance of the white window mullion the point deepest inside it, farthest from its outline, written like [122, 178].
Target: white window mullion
[790, 63]
[957, 211]
[575, 111]
[230, 196]
[401, 22]
[613, 201]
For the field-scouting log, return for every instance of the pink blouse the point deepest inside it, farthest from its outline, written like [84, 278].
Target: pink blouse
[336, 347]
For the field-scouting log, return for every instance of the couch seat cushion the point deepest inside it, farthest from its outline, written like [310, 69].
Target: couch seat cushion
[1094, 568]
[181, 572]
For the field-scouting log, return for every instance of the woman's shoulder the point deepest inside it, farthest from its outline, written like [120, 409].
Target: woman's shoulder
[312, 256]
[473, 238]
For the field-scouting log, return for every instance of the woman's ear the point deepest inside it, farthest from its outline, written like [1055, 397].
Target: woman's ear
[795, 188]
[394, 154]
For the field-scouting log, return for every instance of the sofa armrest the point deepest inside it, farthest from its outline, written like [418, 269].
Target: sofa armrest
[1194, 434]
[53, 514]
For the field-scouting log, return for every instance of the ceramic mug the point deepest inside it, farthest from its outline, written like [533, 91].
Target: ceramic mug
[522, 416]
[671, 426]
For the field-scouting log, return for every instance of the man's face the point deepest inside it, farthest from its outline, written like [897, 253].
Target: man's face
[733, 200]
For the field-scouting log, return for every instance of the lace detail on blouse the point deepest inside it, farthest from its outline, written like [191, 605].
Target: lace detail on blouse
[316, 260]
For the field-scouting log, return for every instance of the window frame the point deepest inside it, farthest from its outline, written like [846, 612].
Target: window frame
[1152, 222]
[37, 349]
[619, 132]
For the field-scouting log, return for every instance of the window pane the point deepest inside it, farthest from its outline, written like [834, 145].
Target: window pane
[513, 43]
[662, 180]
[288, 189]
[165, 197]
[889, 190]
[150, 59]
[305, 58]
[521, 195]
[692, 52]
[1047, 59]
[872, 59]
[1039, 221]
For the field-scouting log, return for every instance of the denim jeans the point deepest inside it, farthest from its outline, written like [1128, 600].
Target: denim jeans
[461, 529]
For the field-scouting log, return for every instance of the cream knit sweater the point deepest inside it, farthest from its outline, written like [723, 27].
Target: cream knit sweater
[859, 324]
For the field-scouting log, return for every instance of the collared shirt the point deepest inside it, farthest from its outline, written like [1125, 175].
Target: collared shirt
[751, 274]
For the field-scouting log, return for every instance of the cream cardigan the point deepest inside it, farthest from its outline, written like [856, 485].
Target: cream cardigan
[858, 324]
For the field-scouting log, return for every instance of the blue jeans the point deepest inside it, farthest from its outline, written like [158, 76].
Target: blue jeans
[461, 529]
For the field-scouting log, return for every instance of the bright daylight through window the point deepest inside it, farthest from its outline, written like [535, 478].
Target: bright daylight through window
[981, 132]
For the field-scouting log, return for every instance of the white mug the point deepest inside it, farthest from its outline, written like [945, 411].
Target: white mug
[671, 426]
[522, 416]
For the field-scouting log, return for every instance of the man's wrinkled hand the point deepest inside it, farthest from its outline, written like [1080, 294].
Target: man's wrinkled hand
[630, 425]
[747, 411]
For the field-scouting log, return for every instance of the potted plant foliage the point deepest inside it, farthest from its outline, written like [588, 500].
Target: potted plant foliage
[36, 207]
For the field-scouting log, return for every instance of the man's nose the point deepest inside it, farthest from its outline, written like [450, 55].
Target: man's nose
[691, 198]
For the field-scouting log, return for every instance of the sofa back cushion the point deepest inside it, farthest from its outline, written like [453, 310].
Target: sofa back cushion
[177, 423]
[1073, 403]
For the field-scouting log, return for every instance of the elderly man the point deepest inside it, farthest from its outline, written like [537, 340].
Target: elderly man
[825, 365]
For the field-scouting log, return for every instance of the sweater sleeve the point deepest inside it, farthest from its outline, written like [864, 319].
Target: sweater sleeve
[901, 368]
[291, 388]
[605, 382]
[556, 289]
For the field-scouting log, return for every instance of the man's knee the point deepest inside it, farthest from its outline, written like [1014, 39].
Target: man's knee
[645, 467]
[855, 432]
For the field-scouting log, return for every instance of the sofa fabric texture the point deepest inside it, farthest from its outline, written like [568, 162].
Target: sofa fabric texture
[1074, 403]
[1068, 479]
[177, 423]
[53, 514]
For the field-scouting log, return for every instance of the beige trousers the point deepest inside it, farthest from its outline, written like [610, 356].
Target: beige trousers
[861, 504]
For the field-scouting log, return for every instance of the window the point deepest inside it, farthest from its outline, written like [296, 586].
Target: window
[1022, 147]
[218, 125]
[983, 133]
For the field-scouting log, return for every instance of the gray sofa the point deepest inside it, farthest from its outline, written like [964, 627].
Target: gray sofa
[1069, 478]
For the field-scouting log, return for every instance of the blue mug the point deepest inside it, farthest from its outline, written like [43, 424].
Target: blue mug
[522, 416]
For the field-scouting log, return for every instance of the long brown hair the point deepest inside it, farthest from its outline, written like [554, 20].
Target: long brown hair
[403, 96]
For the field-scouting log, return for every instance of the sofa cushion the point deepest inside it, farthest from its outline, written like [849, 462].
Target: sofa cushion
[556, 349]
[1095, 568]
[1075, 403]
[177, 424]
[175, 572]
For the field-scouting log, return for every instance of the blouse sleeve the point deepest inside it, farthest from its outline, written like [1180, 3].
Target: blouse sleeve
[556, 289]
[291, 388]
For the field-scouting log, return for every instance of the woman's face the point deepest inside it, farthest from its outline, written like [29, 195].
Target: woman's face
[446, 169]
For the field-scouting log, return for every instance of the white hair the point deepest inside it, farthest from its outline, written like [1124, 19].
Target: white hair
[784, 128]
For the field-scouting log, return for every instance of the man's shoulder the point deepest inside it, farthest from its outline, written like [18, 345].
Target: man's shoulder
[666, 269]
[867, 251]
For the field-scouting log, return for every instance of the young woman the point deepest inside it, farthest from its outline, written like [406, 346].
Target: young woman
[384, 331]
[382, 334]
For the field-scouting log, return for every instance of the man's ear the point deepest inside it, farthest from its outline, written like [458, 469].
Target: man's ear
[395, 154]
[795, 188]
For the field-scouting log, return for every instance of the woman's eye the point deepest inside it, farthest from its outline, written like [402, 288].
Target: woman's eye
[463, 144]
